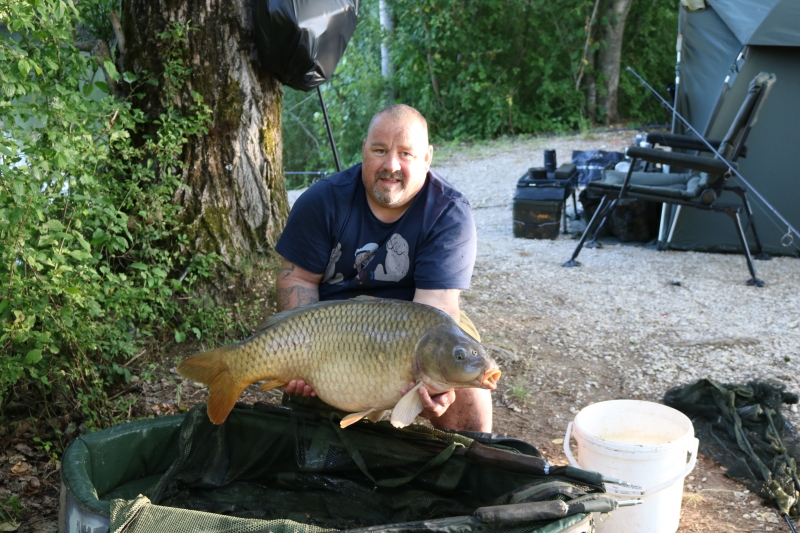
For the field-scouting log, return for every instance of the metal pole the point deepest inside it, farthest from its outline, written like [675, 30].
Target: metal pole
[330, 133]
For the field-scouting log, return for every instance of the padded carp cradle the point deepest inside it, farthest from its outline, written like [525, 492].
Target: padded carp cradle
[271, 468]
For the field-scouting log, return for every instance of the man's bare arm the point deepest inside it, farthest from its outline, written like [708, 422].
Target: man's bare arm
[444, 299]
[296, 286]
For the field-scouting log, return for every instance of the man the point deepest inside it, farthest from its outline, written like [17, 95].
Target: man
[392, 228]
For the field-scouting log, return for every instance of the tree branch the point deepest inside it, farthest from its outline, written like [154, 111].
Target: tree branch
[589, 29]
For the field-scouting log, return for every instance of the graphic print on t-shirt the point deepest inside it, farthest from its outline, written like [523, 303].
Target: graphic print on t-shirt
[396, 266]
[363, 256]
[332, 277]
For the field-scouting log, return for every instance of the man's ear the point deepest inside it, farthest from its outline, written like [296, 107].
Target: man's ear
[429, 156]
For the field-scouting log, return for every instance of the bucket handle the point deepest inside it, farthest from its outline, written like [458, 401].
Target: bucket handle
[636, 490]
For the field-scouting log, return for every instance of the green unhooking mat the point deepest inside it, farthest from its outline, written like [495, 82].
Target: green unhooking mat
[742, 428]
[269, 468]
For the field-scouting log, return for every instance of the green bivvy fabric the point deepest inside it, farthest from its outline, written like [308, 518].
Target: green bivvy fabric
[270, 468]
[741, 427]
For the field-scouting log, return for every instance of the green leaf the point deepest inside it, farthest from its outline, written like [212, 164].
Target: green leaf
[24, 67]
[33, 356]
[54, 225]
[103, 86]
[72, 290]
[111, 69]
[180, 336]
[196, 332]
[6, 150]
[85, 245]
[139, 266]
[80, 255]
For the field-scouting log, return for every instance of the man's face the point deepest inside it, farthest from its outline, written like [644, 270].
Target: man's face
[396, 157]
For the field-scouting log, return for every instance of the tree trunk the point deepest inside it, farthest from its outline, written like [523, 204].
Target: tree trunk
[234, 203]
[610, 54]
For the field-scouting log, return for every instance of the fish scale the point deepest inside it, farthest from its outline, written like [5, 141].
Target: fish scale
[356, 354]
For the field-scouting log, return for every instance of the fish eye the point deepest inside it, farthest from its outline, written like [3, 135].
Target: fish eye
[460, 354]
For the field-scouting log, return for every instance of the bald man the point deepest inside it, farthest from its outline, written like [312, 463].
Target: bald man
[391, 228]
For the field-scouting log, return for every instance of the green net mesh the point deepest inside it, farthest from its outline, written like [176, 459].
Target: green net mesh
[741, 427]
[268, 468]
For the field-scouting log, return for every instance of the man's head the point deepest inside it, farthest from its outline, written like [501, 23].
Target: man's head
[396, 157]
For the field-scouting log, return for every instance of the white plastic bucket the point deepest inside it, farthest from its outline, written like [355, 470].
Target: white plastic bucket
[647, 444]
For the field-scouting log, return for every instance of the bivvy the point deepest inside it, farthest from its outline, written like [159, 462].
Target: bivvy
[270, 468]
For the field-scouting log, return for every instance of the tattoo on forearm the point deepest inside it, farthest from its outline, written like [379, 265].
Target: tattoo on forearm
[286, 271]
[295, 296]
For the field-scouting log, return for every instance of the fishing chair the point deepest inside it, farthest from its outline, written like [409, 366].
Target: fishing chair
[699, 187]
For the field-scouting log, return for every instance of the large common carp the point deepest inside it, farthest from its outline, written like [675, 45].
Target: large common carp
[356, 354]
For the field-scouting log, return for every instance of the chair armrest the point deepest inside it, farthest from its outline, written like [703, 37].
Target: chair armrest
[703, 164]
[686, 142]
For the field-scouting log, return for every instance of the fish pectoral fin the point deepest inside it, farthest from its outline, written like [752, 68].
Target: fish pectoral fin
[355, 417]
[269, 385]
[407, 408]
[377, 416]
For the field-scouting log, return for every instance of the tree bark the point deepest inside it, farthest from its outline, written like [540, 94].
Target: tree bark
[234, 203]
[610, 54]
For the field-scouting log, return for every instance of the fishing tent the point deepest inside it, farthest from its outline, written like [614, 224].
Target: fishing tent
[725, 43]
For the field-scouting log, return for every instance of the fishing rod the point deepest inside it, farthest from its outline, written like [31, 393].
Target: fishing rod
[789, 228]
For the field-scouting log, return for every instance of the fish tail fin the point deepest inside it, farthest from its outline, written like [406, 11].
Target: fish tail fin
[210, 369]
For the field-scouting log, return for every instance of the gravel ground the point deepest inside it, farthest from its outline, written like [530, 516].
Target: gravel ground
[683, 315]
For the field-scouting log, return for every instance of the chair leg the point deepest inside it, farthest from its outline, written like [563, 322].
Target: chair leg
[759, 251]
[597, 214]
[593, 243]
[753, 281]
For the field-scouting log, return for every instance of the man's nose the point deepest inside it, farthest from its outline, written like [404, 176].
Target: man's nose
[391, 162]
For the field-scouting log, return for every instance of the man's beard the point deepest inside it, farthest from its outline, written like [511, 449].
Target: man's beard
[384, 196]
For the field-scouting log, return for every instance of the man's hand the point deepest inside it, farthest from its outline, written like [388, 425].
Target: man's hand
[434, 406]
[299, 386]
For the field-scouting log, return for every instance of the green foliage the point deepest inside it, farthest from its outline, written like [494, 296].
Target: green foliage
[10, 509]
[478, 70]
[89, 266]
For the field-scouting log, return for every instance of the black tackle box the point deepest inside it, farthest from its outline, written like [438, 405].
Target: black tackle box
[539, 199]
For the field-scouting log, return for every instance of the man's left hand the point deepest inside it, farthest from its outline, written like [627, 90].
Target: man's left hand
[433, 406]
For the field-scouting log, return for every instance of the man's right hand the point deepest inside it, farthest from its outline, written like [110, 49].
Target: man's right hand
[299, 386]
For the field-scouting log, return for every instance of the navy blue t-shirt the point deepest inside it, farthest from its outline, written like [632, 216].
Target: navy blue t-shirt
[331, 231]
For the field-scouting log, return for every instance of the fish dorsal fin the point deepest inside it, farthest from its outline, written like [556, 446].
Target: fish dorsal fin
[407, 408]
[283, 315]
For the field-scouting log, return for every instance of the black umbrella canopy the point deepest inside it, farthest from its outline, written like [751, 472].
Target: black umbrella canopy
[301, 41]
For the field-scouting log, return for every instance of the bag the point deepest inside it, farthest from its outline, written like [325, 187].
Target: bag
[301, 42]
[590, 163]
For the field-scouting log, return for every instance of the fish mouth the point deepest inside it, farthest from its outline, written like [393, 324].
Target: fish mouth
[490, 378]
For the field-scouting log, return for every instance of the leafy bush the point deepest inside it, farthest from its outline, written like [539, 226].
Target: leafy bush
[477, 70]
[87, 259]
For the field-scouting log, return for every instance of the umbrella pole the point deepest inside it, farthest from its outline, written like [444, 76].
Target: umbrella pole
[330, 133]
